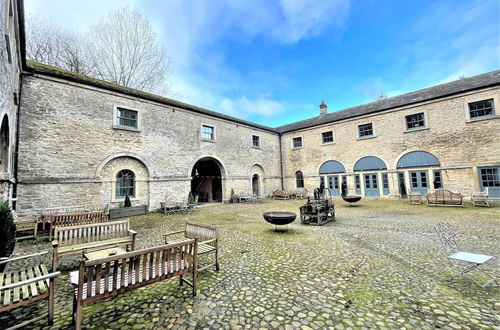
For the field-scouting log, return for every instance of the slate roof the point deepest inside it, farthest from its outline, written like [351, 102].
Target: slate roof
[426, 94]
[56, 72]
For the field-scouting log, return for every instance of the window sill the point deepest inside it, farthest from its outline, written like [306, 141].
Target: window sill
[123, 128]
[114, 200]
[298, 148]
[481, 119]
[416, 129]
[207, 140]
[367, 137]
[254, 147]
[328, 143]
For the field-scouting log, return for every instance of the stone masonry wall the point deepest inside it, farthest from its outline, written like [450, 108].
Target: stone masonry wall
[460, 144]
[67, 138]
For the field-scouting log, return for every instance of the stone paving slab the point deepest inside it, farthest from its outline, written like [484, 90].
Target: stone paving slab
[378, 265]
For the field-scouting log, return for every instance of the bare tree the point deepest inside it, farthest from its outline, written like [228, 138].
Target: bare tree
[121, 48]
[129, 52]
[53, 45]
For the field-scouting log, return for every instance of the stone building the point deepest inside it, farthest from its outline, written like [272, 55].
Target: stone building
[82, 141]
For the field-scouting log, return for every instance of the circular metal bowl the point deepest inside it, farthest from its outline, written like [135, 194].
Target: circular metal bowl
[351, 199]
[279, 218]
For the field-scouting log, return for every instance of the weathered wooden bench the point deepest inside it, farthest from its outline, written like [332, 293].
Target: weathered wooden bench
[78, 239]
[444, 197]
[103, 278]
[301, 193]
[24, 225]
[60, 210]
[280, 194]
[480, 198]
[74, 219]
[26, 285]
[415, 198]
[207, 236]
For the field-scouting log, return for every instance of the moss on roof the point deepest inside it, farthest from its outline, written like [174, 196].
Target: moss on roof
[53, 71]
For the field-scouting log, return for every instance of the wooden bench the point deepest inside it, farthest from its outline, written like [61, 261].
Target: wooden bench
[74, 219]
[61, 210]
[480, 198]
[280, 194]
[26, 285]
[207, 236]
[415, 198]
[301, 193]
[96, 236]
[103, 278]
[443, 197]
[24, 225]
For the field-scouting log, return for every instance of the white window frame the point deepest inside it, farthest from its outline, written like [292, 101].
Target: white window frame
[126, 128]
[366, 136]
[214, 134]
[478, 98]
[420, 128]
[301, 140]
[330, 142]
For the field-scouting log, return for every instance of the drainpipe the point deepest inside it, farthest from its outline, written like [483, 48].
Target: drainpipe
[16, 145]
[281, 163]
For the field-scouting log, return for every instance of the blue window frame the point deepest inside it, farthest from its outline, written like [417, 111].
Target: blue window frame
[358, 184]
[385, 183]
[438, 181]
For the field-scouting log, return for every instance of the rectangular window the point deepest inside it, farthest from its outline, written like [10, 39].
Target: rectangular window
[438, 183]
[322, 181]
[297, 142]
[481, 109]
[330, 182]
[365, 130]
[256, 141]
[207, 132]
[327, 137]
[357, 182]
[126, 118]
[423, 179]
[414, 180]
[367, 181]
[336, 182]
[490, 177]
[385, 183]
[415, 121]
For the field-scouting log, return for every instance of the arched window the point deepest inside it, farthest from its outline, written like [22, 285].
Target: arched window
[299, 179]
[125, 184]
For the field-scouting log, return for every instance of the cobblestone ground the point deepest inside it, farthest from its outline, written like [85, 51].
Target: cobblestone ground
[379, 265]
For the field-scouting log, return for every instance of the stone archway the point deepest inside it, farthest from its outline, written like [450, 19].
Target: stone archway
[206, 180]
[256, 185]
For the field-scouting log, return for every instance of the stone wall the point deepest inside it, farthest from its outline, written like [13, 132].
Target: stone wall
[460, 145]
[9, 91]
[67, 142]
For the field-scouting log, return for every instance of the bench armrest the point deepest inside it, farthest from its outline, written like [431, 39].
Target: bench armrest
[173, 233]
[23, 257]
[55, 243]
[132, 232]
[208, 241]
[36, 279]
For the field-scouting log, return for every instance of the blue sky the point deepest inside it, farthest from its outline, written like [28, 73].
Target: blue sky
[272, 62]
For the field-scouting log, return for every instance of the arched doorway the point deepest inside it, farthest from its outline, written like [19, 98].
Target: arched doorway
[206, 180]
[255, 185]
[4, 145]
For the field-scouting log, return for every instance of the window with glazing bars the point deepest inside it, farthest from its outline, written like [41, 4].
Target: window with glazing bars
[481, 109]
[365, 130]
[437, 180]
[327, 137]
[256, 141]
[490, 177]
[207, 132]
[415, 121]
[299, 177]
[126, 118]
[125, 184]
[297, 142]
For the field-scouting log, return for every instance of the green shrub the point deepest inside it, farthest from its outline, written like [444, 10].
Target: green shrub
[127, 203]
[190, 198]
[7, 229]
[233, 195]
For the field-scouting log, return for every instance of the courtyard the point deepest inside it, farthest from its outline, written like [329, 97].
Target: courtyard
[379, 265]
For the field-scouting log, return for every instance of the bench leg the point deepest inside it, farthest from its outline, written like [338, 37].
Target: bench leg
[52, 297]
[78, 316]
[217, 267]
[181, 282]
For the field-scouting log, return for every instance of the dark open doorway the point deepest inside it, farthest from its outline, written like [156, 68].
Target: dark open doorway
[255, 185]
[206, 180]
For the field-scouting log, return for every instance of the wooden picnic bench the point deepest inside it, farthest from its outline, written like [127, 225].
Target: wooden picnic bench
[96, 236]
[480, 198]
[100, 279]
[26, 285]
[444, 197]
[74, 219]
[207, 236]
[24, 225]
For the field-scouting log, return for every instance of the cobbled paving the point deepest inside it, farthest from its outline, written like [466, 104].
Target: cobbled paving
[379, 265]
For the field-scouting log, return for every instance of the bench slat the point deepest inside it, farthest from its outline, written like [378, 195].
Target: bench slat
[6, 297]
[16, 296]
[34, 291]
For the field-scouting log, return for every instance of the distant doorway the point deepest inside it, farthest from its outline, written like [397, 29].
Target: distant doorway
[255, 185]
[206, 180]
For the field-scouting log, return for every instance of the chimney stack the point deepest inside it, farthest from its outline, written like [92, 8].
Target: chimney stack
[323, 108]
